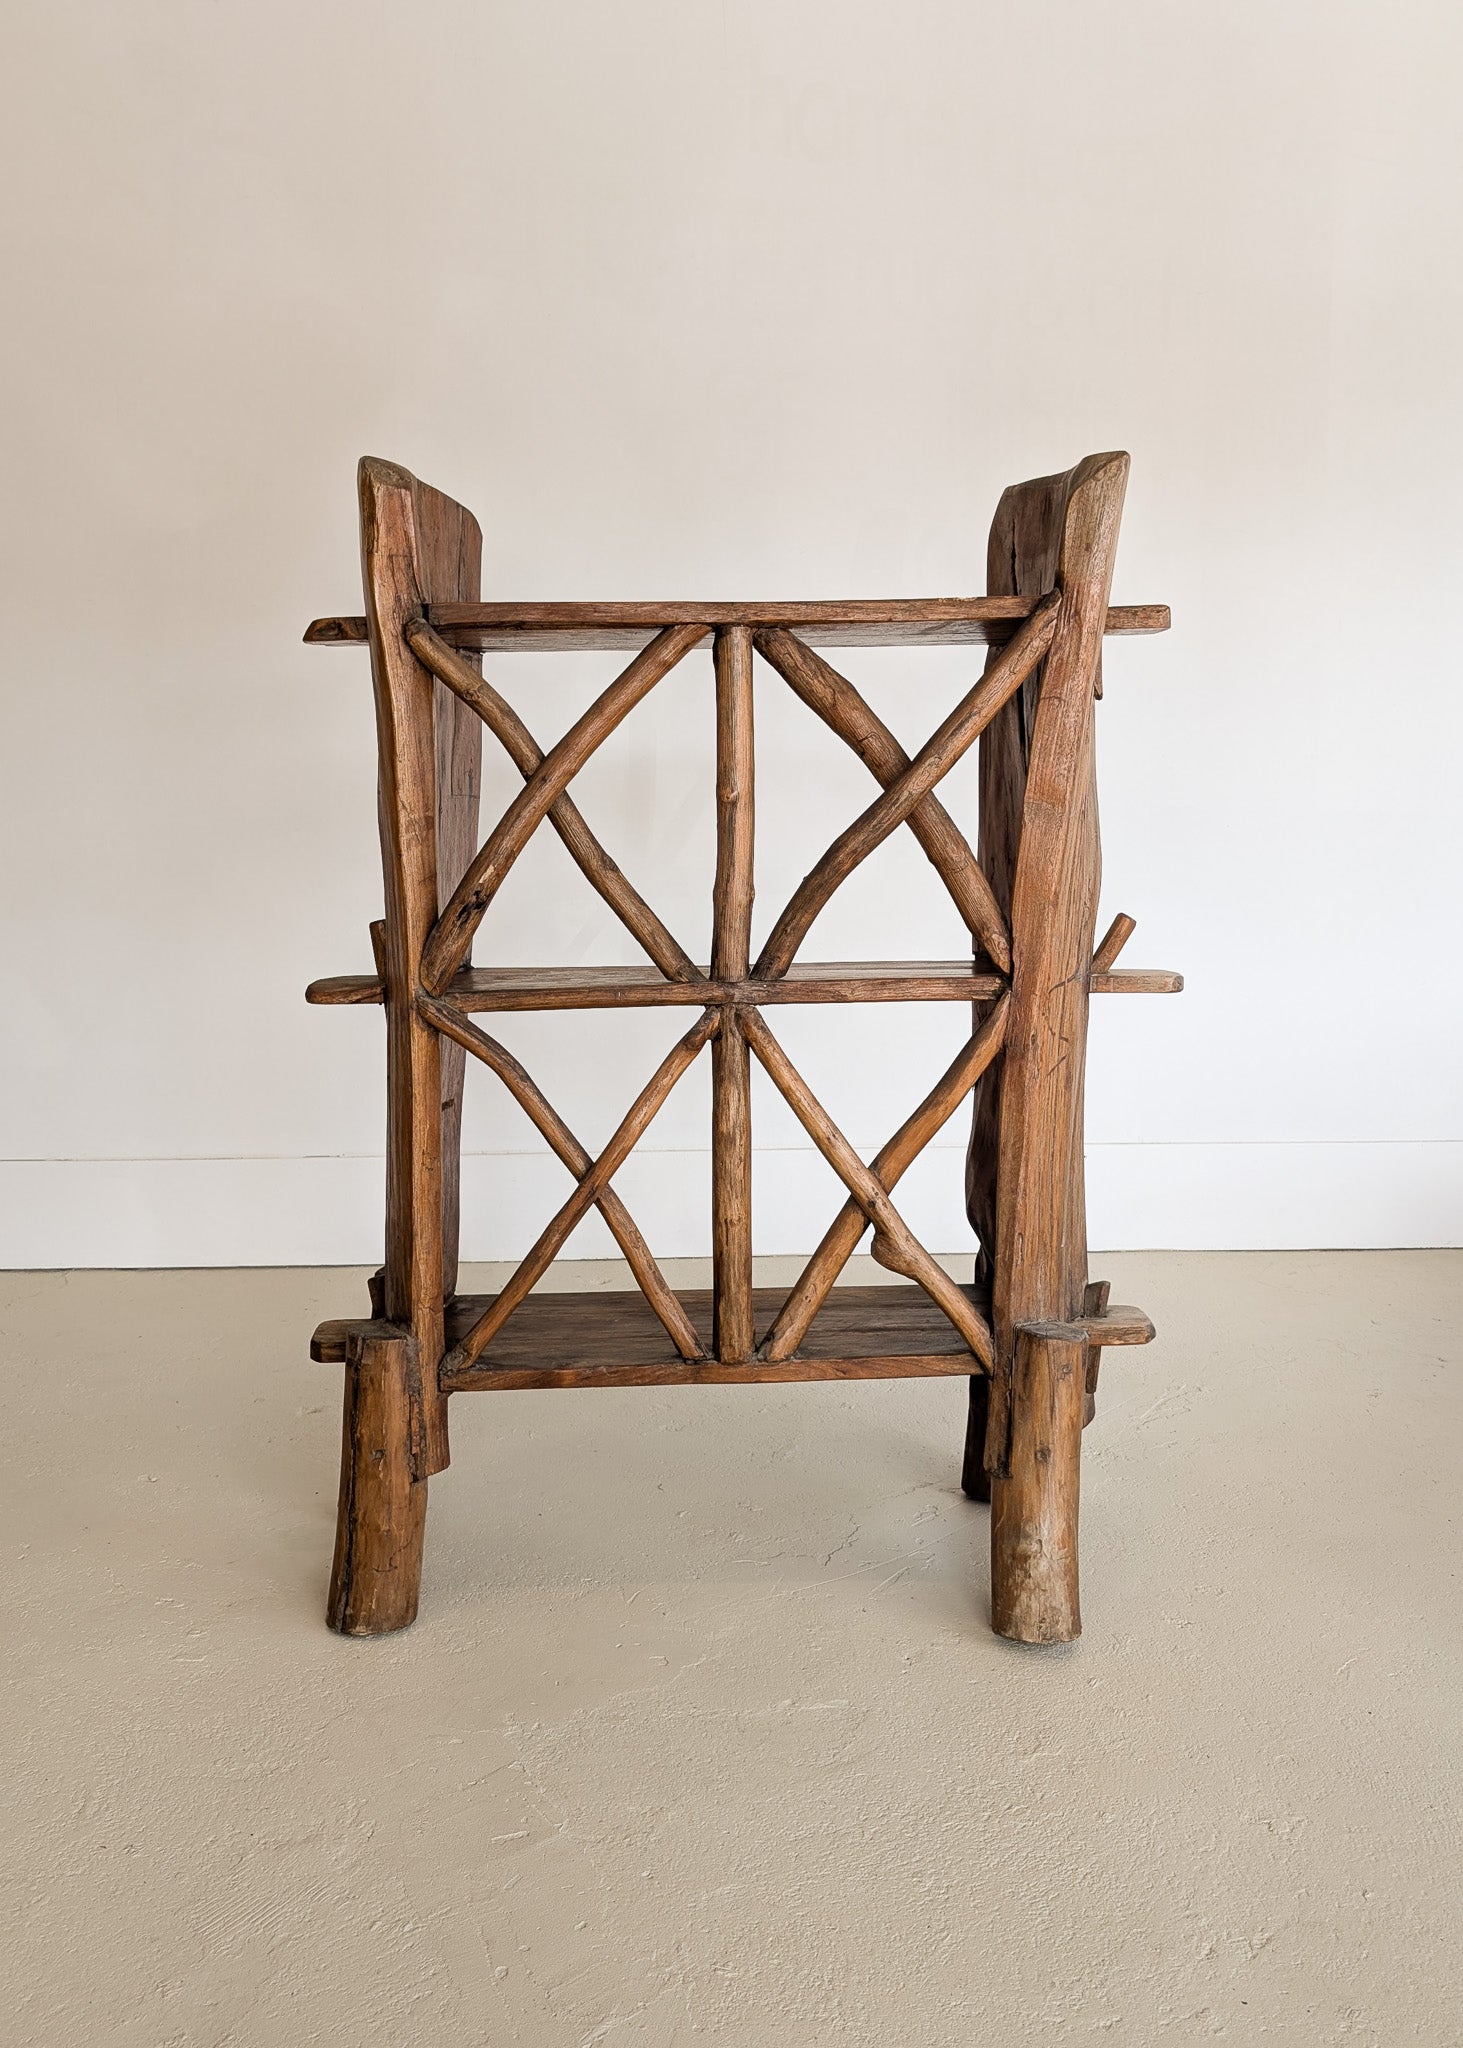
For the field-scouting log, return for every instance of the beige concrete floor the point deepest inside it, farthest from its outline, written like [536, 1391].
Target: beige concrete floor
[701, 1735]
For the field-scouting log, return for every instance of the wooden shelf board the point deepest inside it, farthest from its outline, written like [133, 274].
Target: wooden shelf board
[879, 622]
[832, 981]
[614, 1340]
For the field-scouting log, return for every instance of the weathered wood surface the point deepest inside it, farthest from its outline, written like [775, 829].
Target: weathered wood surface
[1113, 941]
[833, 981]
[452, 937]
[731, 928]
[449, 549]
[381, 1516]
[1039, 1268]
[393, 572]
[566, 1340]
[939, 754]
[602, 988]
[900, 1327]
[1034, 1591]
[1095, 1304]
[838, 622]
[835, 700]
[457, 673]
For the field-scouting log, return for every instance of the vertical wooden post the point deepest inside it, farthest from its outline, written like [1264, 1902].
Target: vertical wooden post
[382, 1514]
[734, 1335]
[1034, 1597]
[1039, 1263]
[407, 803]
[449, 568]
[1022, 554]
[975, 1481]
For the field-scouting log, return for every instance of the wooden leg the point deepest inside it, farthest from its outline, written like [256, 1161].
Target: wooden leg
[975, 1481]
[1034, 1509]
[382, 1515]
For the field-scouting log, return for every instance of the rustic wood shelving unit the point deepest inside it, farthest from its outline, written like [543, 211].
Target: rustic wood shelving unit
[1031, 1329]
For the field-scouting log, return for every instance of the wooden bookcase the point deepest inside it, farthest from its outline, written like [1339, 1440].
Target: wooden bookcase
[1030, 1331]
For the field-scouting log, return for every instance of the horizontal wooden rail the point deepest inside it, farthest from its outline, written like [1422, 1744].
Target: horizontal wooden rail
[856, 622]
[642, 988]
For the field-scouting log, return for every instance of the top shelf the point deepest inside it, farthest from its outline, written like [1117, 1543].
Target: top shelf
[852, 622]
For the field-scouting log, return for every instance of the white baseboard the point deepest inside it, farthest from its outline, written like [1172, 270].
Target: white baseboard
[327, 1211]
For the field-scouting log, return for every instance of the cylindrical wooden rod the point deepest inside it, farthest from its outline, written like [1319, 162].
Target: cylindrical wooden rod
[731, 945]
[1034, 1507]
[378, 1535]
[731, 941]
[1113, 941]
[733, 1331]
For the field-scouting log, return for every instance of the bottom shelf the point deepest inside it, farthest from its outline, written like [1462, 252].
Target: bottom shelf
[613, 1339]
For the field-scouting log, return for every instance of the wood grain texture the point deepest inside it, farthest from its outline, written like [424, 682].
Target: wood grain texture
[546, 1119]
[835, 700]
[452, 936]
[1034, 1580]
[836, 622]
[1136, 981]
[449, 548]
[455, 671]
[617, 628]
[541, 1255]
[611, 988]
[731, 939]
[945, 746]
[895, 1245]
[1040, 1263]
[1113, 941]
[857, 1326]
[1045, 849]
[381, 1517]
[612, 1340]
[1094, 1312]
[407, 806]
[890, 1164]
[832, 981]
[731, 1191]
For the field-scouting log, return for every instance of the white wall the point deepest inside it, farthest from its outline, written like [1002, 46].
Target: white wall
[754, 297]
